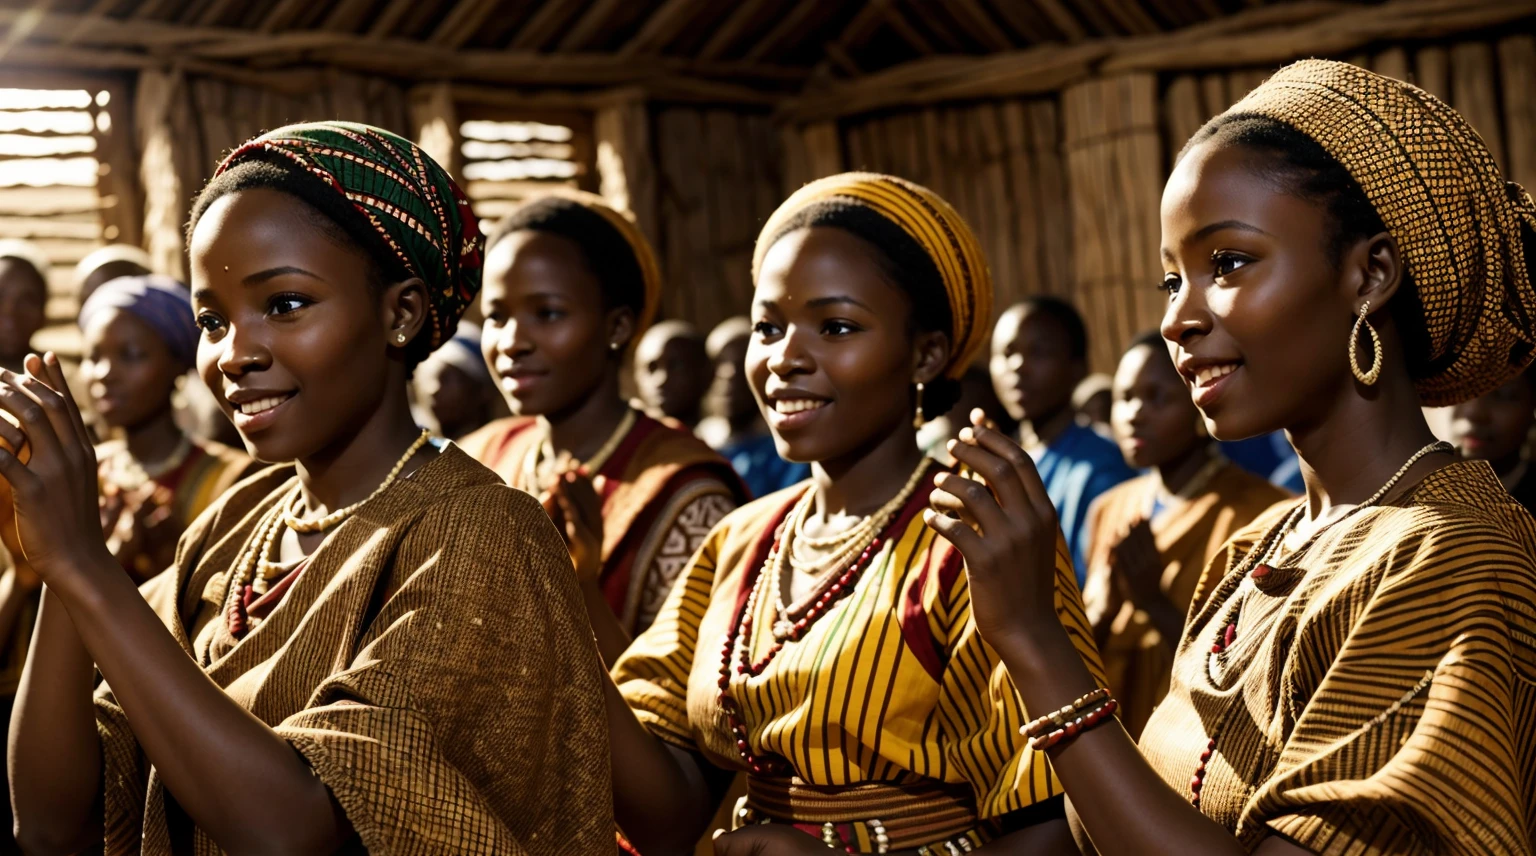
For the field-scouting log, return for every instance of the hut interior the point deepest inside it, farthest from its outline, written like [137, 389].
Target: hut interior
[1051, 124]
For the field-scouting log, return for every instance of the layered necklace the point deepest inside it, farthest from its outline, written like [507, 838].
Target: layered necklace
[257, 566]
[1256, 569]
[849, 551]
[539, 464]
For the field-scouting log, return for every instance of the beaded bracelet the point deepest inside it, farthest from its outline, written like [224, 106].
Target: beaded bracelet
[1057, 719]
[1077, 726]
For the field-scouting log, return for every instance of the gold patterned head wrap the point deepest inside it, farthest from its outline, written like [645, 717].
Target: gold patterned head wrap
[936, 228]
[534, 214]
[1437, 189]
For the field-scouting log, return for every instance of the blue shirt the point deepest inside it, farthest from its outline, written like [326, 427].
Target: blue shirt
[758, 463]
[1076, 468]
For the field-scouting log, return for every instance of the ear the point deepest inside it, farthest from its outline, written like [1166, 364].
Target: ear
[405, 311]
[930, 351]
[620, 328]
[1372, 271]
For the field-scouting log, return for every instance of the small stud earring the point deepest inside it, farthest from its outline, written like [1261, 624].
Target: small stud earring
[400, 338]
[613, 346]
[226, 268]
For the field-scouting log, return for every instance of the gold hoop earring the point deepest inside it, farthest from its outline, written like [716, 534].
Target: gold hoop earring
[917, 420]
[1367, 377]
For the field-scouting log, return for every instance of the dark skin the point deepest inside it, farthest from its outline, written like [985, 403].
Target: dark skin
[23, 301]
[1251, 284]
[1495, 427]
[554, 348]
[672, 372]
[130, 375]
[1034, 373]
[830, 327]
[1157, 428]
[460, 402]
[286, 311]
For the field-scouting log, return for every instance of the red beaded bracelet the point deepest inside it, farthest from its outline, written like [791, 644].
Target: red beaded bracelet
[1076, 726]
[1056, 719]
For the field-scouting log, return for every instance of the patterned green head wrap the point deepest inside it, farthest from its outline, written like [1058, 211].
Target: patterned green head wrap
[410, 202]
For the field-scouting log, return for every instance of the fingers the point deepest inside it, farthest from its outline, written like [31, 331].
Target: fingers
[16, 400]
[1024, 466]
[55, 376]
[957, 532]
[24, 483]
[11, 434]
[972, 499]
[999, 474]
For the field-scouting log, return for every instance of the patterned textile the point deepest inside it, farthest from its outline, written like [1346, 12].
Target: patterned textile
[1379, 694]
[410, 201]
[933, 224]
[1440, 194]
[427, 665]
[1189, 532]
[892, 686]
[1076, 469]
[159, 301]
[664, 490]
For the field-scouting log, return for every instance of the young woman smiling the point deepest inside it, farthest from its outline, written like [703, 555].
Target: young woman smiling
[820, 640]
[140, 340]
[569, 283]
[364, 649]
[1150, 538]
[1361, 677]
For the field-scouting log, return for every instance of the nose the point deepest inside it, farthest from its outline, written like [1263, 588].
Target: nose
[788, 356]
[510, 341]
[243, 352]
[1187, 317]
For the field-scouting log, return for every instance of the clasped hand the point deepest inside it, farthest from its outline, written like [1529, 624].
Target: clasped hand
[575, 507]
[53, 496]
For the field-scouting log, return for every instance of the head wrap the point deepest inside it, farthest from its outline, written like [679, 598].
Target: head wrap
[159, 301]
[416, 209]
[28, 253]
[109, 254]
[463, 352]
[1440, 194]
[930, 221]
[624, 224]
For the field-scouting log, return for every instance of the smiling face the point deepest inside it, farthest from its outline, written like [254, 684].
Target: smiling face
[129, 371]
[547, 332]
[1260, 311]
[1153, 419]
[1033, 370]
[295, 343]
[1496, 426]
[833, 357]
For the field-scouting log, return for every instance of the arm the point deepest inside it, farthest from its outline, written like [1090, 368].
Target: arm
[187, 727]
[1124, 805]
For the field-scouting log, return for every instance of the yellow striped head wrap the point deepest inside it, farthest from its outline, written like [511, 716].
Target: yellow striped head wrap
[623, 224]
[1437, 189]
[936, 228]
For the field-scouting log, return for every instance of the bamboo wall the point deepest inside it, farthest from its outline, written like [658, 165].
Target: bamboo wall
[1063, 191]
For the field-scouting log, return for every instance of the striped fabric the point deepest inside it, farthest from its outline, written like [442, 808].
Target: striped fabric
[892, 685]
[1380, 694]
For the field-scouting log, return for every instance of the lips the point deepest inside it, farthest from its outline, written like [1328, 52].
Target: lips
[518, 379]
[255, 413]
[789, 413]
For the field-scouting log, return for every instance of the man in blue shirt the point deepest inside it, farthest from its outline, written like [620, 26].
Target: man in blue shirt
[1039, 354]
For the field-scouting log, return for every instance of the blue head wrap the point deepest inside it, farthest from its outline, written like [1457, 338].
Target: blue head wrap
[159, 301]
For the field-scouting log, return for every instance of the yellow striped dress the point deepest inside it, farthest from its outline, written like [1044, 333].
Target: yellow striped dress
[1378, 695]
[889, 708]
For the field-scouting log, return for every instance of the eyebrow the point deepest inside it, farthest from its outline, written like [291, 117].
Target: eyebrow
[1219, 226]
[262, 276]
[835, 299]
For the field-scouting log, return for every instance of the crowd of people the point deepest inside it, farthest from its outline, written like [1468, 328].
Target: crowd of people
[299, 560]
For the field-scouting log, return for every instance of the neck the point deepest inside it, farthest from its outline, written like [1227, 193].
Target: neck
[690, 418]
[1507, 464]
[583, 429]
[155, 439]
[1177, 473]
[1044, 430]
[355, 466]
[1349, 451]
[862, 482]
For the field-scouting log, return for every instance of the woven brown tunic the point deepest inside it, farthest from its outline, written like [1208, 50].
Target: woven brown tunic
[1379, 696]
[428, 664]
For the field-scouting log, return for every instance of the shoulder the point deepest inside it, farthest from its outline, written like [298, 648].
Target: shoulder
[461, 504]
[490, 438]
[1131, 490]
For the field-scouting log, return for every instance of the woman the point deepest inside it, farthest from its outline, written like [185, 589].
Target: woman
[140, 340]
[1497, 428]
[319, 671]
[569, 284]
[851, 688]
[1360, 679]
[1151, 537]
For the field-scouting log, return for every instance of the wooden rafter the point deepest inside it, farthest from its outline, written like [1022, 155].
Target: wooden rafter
[282, 14]
[211, 14]
[461, 22]
[98, 10]
[858, 28]
[148, 9]
[727, 33]
[1061, 17]
[660, 28]
[840, 58]
[390, 18]
[346, 15]
[980, 25]
[536, 32]
[588, 24]
[937, 30]
[791, 22]
[903, 28]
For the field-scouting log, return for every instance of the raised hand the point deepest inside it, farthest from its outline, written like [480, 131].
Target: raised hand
[574, 505]
[1137, 566]
[1005, 527]
[58, 522]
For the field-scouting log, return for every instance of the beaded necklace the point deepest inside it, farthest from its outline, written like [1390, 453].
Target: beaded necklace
[542, 455]
[1258, 565]
[129, 473]
[736, 653]
[257, 565]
